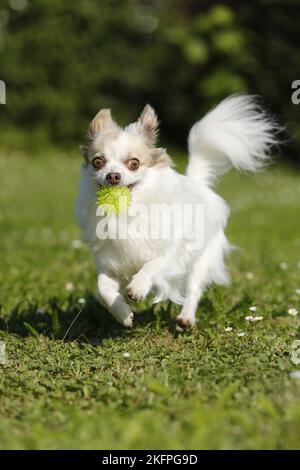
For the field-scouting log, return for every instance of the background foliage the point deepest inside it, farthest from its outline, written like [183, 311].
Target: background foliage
[62, 61]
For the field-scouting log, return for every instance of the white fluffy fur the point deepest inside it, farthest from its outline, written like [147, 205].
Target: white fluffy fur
[235, 133]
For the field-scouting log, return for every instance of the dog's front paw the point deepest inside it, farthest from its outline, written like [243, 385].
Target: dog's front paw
[138, 288]
[128, 321]
[132, 295]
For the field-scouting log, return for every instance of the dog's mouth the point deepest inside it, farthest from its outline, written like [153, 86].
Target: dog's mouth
[129, 186]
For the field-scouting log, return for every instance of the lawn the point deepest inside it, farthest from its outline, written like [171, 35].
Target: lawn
[75, 379]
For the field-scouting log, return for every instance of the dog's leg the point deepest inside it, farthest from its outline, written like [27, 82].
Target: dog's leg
[110, 297]
[142, 281]
[206, 268]
[196, 283]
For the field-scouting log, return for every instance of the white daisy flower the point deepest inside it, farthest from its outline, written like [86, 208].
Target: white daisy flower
[77, 244]
[228, 329]
[283, 266]
[295, 374]
[249, 318]
[259, 318]
[295, 358]
[252, 309]
[69, 286]
[249, 276]
[126, 355]
[81, 301]
[40, 311]
[241, 334]
[293, 312]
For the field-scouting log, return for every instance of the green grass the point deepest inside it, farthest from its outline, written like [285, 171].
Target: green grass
[66, 383]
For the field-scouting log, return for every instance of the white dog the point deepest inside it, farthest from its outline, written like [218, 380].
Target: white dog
[237, 133]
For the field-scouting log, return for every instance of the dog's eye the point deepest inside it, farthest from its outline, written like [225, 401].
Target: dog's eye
[133, 164]
[98, 162]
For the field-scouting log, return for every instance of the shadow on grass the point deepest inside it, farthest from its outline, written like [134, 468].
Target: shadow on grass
[70, 321]
[67, 320]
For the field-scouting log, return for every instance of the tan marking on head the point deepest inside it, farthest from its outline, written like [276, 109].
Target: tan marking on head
[136, 141]
[160, 157]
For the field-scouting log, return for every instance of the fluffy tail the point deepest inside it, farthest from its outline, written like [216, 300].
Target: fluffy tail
[236, 133]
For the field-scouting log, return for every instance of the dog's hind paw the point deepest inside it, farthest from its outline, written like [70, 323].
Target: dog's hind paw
[185, 323]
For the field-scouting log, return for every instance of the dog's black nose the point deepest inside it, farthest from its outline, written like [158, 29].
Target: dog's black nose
[113, 178]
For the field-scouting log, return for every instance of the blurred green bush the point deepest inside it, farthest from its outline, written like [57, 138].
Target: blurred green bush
[63, 60]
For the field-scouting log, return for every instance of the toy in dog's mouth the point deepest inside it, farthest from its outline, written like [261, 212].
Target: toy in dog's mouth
[129, 186]
[114, 199]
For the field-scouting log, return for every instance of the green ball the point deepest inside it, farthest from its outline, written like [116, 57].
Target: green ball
[114, 199]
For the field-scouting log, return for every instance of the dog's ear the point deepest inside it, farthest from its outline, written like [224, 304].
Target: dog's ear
[160, 157]
[84, 152]
[147, 124]
[102, 122]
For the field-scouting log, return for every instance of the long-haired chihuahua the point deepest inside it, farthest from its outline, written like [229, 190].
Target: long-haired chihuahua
[237, 133]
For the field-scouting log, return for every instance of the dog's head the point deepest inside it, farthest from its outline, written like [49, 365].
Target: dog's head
[123, 157]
